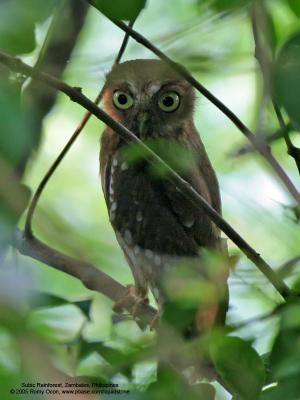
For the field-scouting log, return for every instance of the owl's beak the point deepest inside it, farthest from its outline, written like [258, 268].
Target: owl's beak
[144, 117]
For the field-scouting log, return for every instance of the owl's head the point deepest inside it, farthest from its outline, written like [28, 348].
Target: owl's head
[148, 97]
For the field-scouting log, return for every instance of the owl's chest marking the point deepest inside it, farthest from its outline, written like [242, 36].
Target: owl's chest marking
[112, 201]
[127, 219]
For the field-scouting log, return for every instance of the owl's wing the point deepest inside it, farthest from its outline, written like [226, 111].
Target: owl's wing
[197, 225]
[204, 171]
[202, 178]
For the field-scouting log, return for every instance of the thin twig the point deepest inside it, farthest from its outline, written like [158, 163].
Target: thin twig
[259, 318]
[124, 44]
[265, 61]
[270, 138]
[187, 190]
[76, 133]
[287, 268]
[257, 142]
[292, 150]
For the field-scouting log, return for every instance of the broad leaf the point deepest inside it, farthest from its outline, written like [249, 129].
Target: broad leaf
[85, 307]
[287, 78]
[295, 6]
[239, 365]
[285, 356]
[171, 385]
[17, 23]
[41, 300]
[14, 140]
[120, 9]
[229, 5]
[288, 389]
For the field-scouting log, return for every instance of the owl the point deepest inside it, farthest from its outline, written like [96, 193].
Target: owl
[155, 225]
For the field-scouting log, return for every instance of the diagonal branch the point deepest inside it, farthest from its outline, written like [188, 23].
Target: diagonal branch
[257, 142]
[187, 190]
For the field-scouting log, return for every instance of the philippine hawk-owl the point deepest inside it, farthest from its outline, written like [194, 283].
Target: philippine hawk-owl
[155, 225]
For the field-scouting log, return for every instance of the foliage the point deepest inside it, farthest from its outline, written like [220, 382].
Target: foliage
[119, 9]
[286, 76]
[19, 37]
[74, 330]
[239, 365]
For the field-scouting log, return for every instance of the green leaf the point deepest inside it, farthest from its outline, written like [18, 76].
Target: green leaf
[14, 141]
[295, 6]
[287, 78]
[111, 355]
[270, 29]
[41, 300]
[17, 23]
[85, 307]
[290, 315]
[180, 318]
[61, 324]
[229, 5]
[86, 348]
[120, 361]
[171, 385]
[239, 365]
[288, 389]
[14, 138]
[285, 356]
[120, 9]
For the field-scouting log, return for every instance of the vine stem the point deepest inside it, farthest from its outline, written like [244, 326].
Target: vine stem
[35, 199]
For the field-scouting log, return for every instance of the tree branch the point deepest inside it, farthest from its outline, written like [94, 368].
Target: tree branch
[91, 277]
[257, 142]
[187, 190]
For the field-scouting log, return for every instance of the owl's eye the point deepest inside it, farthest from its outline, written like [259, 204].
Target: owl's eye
[122, 100]
[169, 101]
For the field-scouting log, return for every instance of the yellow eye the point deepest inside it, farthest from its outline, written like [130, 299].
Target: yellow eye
[122, 100]
[169, 101]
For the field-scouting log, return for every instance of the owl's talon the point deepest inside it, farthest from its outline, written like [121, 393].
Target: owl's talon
[154, 322]
[133, 300]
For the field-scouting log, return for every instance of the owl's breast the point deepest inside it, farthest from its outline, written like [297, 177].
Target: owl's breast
[140, 211]
[155, 225]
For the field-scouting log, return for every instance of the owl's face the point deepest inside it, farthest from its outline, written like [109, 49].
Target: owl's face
[148, 97]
